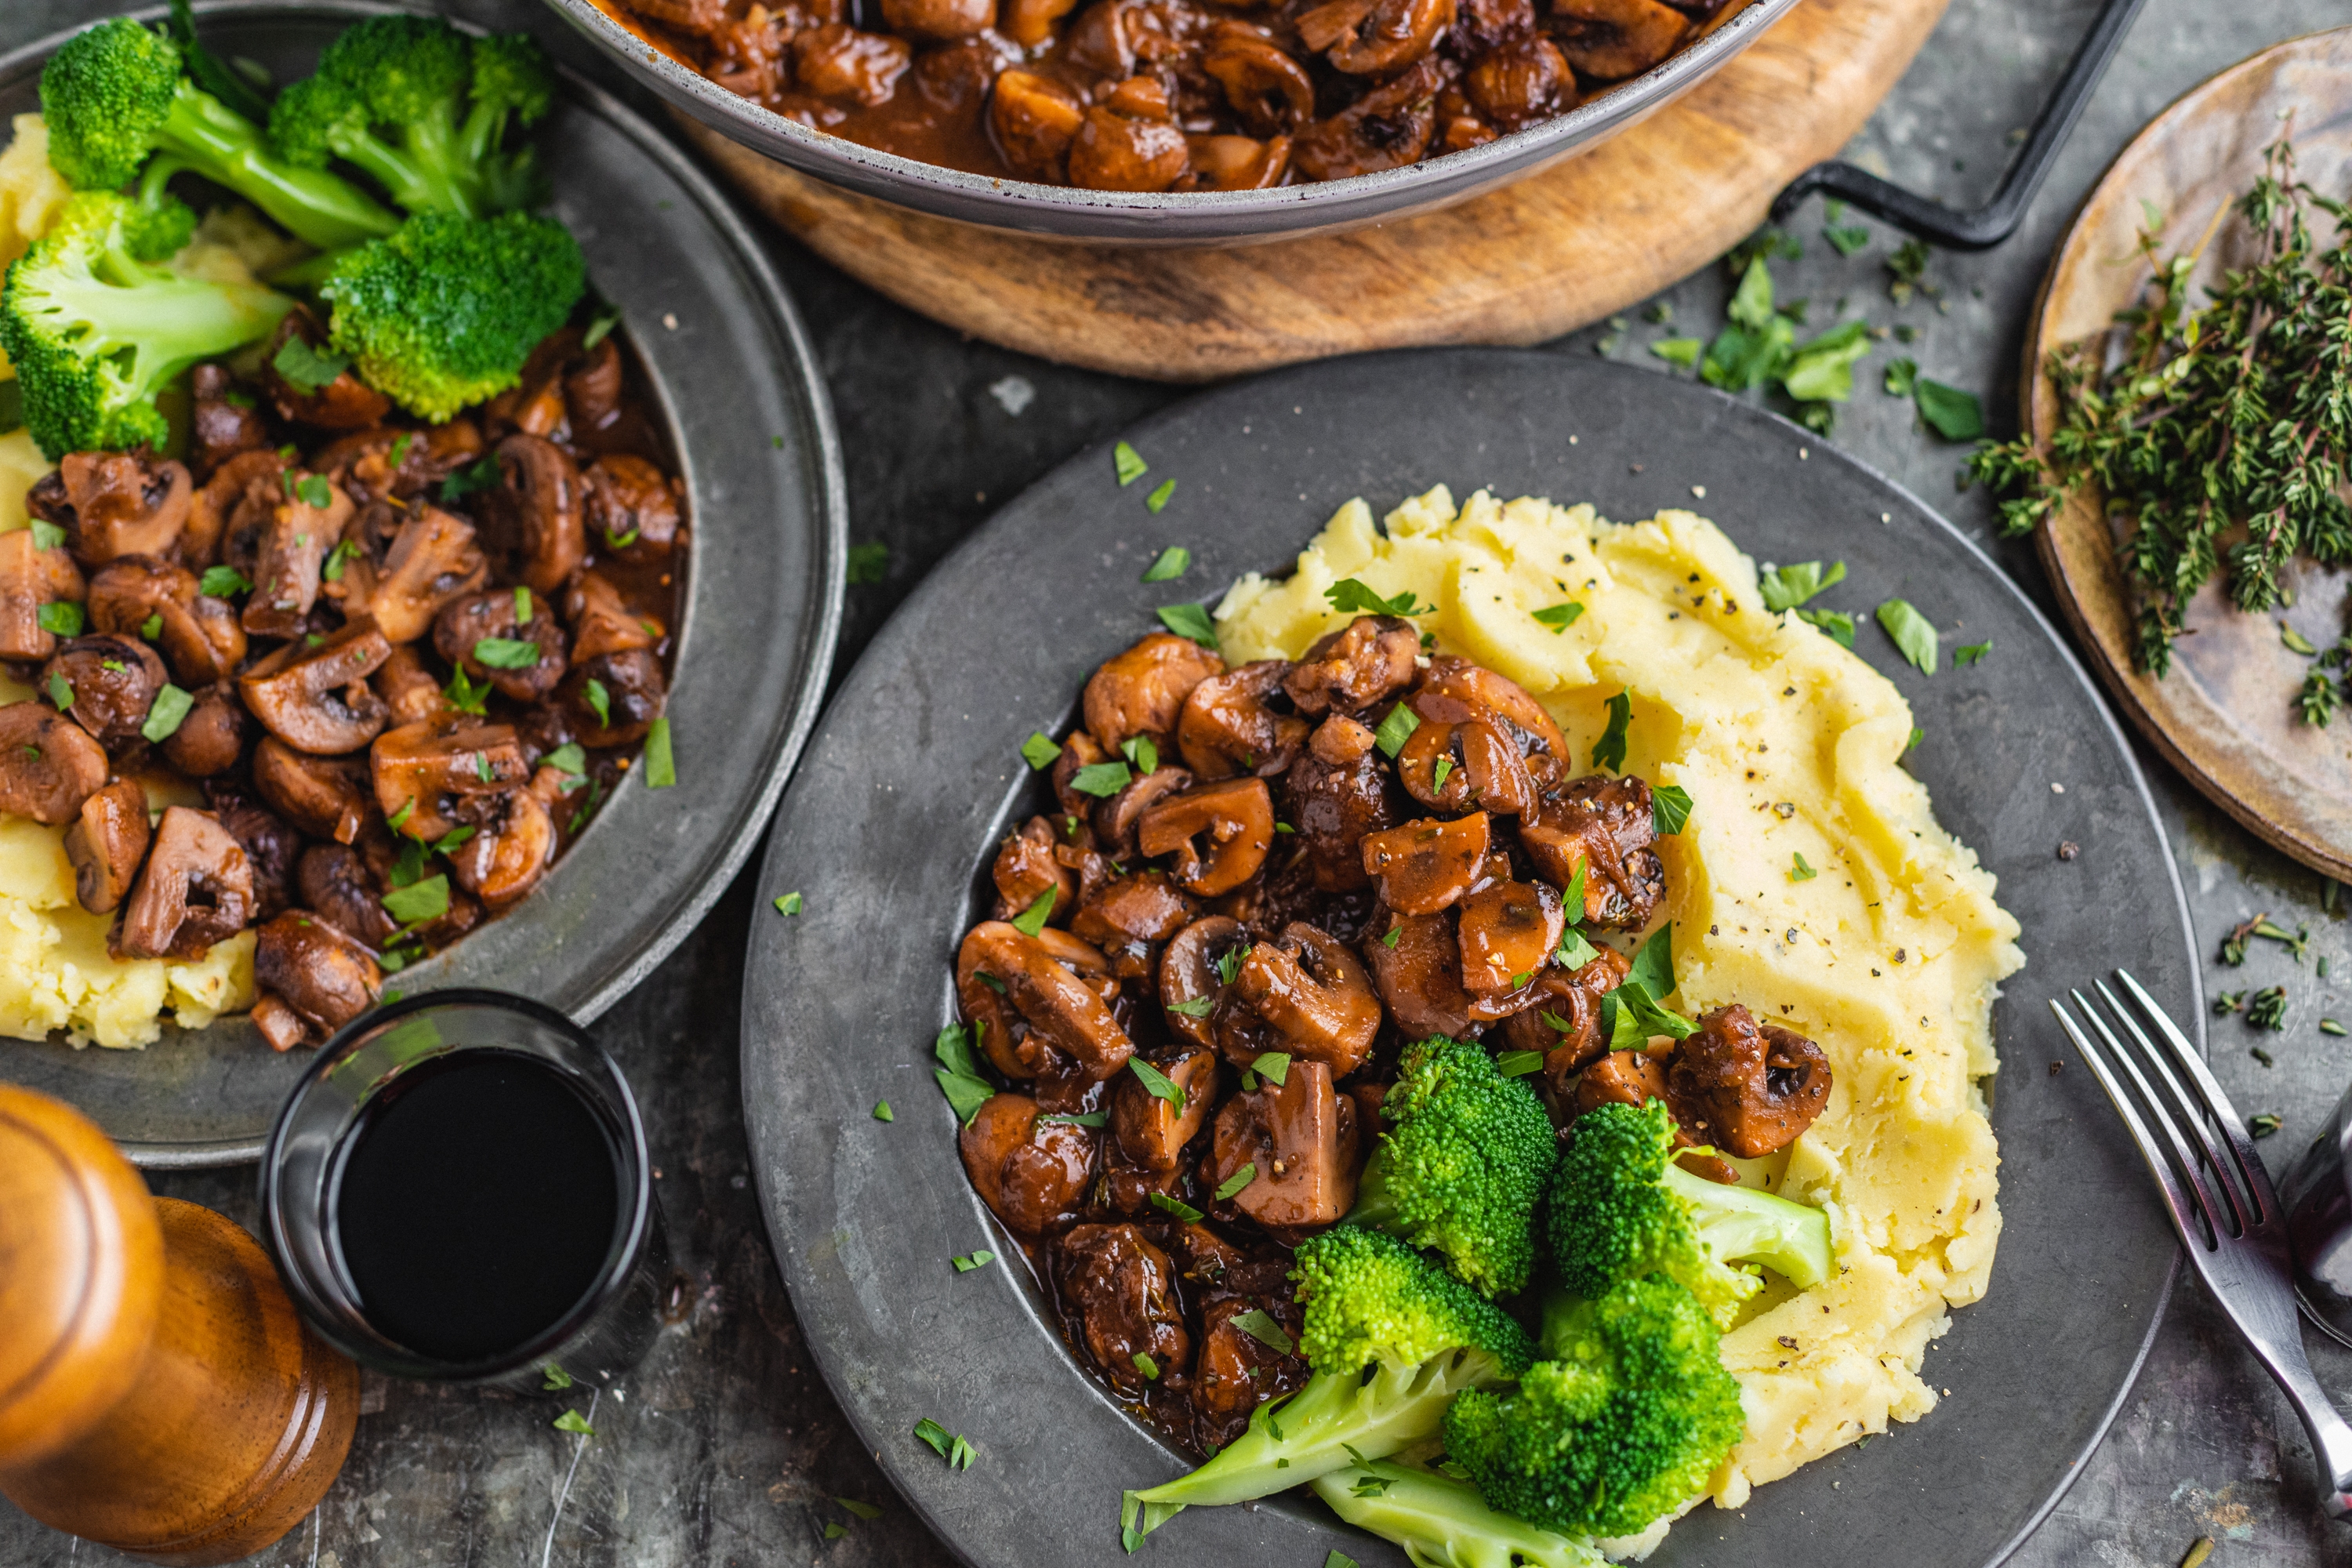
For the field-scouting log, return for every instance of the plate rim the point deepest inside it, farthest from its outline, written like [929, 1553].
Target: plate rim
[753, 1051]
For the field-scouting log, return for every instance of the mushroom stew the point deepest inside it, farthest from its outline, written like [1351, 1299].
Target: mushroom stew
[1250, 889]
[1172, 95]
[401, 667]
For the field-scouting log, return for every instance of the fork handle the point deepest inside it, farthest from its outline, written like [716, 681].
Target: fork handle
[2331, 1435]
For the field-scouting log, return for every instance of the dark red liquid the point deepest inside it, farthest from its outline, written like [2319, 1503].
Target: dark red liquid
[477, 1204]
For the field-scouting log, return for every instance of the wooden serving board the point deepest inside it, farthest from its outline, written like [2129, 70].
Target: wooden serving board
[2226, 715]
[1555, 251]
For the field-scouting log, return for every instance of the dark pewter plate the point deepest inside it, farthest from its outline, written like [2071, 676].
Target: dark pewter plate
[748, 415]
[895, 814]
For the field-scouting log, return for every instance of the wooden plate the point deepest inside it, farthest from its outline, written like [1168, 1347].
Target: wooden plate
[1544, 255]
[2226, 715]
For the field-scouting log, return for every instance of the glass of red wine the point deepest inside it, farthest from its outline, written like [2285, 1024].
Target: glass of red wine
[459, 1190]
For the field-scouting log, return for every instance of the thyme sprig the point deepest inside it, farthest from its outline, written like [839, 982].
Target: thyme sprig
[2221, 435]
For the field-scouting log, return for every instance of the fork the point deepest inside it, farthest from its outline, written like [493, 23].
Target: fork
[2220, 1199]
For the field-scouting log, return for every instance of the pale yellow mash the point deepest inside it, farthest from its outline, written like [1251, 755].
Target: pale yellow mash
[1889, 957]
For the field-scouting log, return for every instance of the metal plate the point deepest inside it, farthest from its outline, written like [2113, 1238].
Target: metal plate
[892, 820]
[749, 417]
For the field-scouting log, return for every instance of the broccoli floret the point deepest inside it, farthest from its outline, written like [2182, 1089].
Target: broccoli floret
[1443, 1523]
[117, 93]
[1463, 1164]
[424, 110]
[444, 312]
[1392, 1338]
[94, 332]
[1621, 1425]
[158, 223]
[1622, 1208]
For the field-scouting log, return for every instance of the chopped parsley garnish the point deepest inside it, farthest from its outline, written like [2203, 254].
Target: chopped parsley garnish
[1954, 414]
[567, 758]
[1572, 900]
[428, 899]
[1032, 920]
[464, 696]
[1845, 238]
[1918, 735]
[165, 715]
[605, 323]
[61, 619]
[1670, 808]
[971, 1260]
[224, 581]
[599, 700]
[1559, 617]
[48, 535]
[573, 1421]
[1274, 1065]
[1189, 621]
[1836, 625]
[789, 904]
[1198, 1007]
[1786, 587]
[557, 1378]
[61, 691]
[1159, 1084]
[1973, 653]
[1237, 1182]
[1519, 1064]
[331, 569]
[1574, 951]
[1555, 1023]
[1083, 1118]
[1338, 1559]
[399, 452]
[1146, 1365]
[1177, 1207]
[957, 1453]
[1260, 1325]
[1172, 564]
[1101, 780]
[1039, 750]
[313, 492]
[1396, 729]
[882, 1111]
[1390, 940]
[307, 368]
[506, 653]
[1912, 632]
[482, 769]
[2263, 1123]
[835, 1530]
[479, 475]
[869, 563]
[862, 1510]
[522, 605]
[1349, 596]
[661, 763]
[1682, 352]
[1157, 500]
[1127, 464]
[152, 626]
[958, 1074]
[1609, 752]
[1800, 872]
[1229, 964]
[399, 819]
[1438, 772]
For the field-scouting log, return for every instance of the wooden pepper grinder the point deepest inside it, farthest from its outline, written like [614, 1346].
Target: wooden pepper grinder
[158, 1395]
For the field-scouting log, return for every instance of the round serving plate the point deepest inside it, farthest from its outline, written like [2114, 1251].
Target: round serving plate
[894, 816]
[2226, 716]
[748, 415]
[1159, 217]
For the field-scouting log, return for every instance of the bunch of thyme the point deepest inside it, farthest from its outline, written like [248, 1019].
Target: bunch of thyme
[2223, 431]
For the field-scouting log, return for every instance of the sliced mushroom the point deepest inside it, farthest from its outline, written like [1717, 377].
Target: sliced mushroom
[272, 847]
[1032, 1176]
[106, 844]
[303, 527]
[1142, 691]
[1034, 118]
[1227, 727]
[112, 503]
[1509, 930]
[483, 635]
[386, 463]
[1298, 1139]
[602, 622]
[279, 1025]
[1128, 140]
[1378, 38]
[1305, 995]
[337, 886]
[1562, 1020]
[1235, 1371]
[1523, 81]
[1623, 1077]
[1424, 867]
[1368, 660]
[411, 693]
[534, 517]
[592, 389]
[313, 694]
[48, 765]
[1335, 795]
[430, 780]
[1151, 1130]
[326, 797]
[1748, 1088]
[1219, 833]
[1128, 917]
[108, 685]
[1121, 1291]
[1191, 974]
[629, 509]
[197, 889]
[322, 975]
[1026, 871]
[1472, 766]
[535, 404]
[239, 498]
[1058, 1008]
[1610, 41]
[509, 853]
[1236, 162]
[213, 734]
[1456, 691]
[222, 422]
[1416, 963]
[1269, 91]
[200, 635]
[1608, 826]
[633, 692]
[403, 565]
[30, 578]
[1116, 818]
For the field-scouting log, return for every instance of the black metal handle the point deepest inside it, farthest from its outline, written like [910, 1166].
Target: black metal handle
[1988, 225]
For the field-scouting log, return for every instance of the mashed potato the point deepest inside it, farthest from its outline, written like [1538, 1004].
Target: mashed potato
[1889, 956]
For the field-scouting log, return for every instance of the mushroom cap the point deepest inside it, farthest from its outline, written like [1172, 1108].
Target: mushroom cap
[48, 765]
[31, 577]
[628, 498]
[326, 797]
[197, 889]
[433, 777]
[1312, 997]
[1334, 795]
[105, 843]
[1226, 726]
[406, 565]
[507, 856]
[468, 621]
[634, 693]
[290, 552]
[315, 969]
[1368, 660]
[1219, 833]
[213, 735]
[112, 503]
[534, 516]
[1121, 1289]
[201, 637]
[1189, 974]
[314, 696]
[112, 682]
[1142, 691]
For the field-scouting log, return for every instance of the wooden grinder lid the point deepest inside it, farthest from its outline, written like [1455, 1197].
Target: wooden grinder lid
[82, 1269]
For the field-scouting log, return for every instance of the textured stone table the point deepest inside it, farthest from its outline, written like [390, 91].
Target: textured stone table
[725, 1448]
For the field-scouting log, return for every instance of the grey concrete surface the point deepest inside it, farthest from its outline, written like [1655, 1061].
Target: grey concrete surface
[727, 1449]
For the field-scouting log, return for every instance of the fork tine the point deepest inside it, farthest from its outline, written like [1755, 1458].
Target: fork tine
[2251, 1169]
[2176, 1202]
[2223, 1220]
[2191, 1113]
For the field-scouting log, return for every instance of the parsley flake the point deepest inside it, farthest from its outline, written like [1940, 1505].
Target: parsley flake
[1237, 1181]
[63, 618]
[224, 583]
[1786, 587]
[947, 1444]
[882, 1111]
[1800, 872]
[1609, 752]
[1519, 1064]
[480, 474]
[1835, 625]
[1147, 1367]
[1157, 500]
[573, 1421]
[1670, 808]
[869, 563]
[1039, 750]
[1140, 751]
[165, 715]
[1396, 729]
[1189, 621]
[1159, 1084]
[557, 1378]
[313, 492]
[1176, 1207]
[789, 904]
[48, 535]
[420, 901]
[1972, 653]
[1198, 1007]
[61, 691]
[506, 653]
[307, 368]
[959, 1075]
[661, 763]
[865, 1510]
[1032, 920]
[1913, 633]
[605, 323]
[1349, 596]
[1260, 1325]
[1127, 464]
[1390, 940]
[1172, 564]
[598, 698]
[1574, 951]
[1559, 617]
[1274, 1065]
[152, 626]
[973, 1261]
[1101, 780]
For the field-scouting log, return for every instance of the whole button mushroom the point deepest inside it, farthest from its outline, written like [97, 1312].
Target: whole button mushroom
[336, 886]
[111, 503]
[1370, 659]
[630, 509]
[32, 578]
[1335, 794]
[411, 691]
[318, 978]
[488, 636]
[1034, 118]
[1613, 39]
[430, 780]
[212, 734]
[1030, 1177]
[272, 847]
[534, 514]
[1456, 691]
[614, 699]
[48, 765]
[197, 889]
[231, 512]
[507, 855]
[1141, 691]
[314, 695]
[326, 797]
[1227, 726]
[108, 685]
[940, 19]
[106, 844]
[200, 635]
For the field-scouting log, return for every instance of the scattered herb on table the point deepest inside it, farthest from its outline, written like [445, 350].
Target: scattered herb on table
[789, 904]
[1912, 632]
[1786, 587]
[957, 1453]
[1189, 621]
[556, 1378]
[2261, 1124]
[882, 1111]
[1171, 563]
[1157, 501]
[1971, 653]
[1127, 464]
[958, 1074]
[971, 1260]
[865, 1510]
[1039, 750]
[573, 1421]
[2267, 1008]
[869, 563]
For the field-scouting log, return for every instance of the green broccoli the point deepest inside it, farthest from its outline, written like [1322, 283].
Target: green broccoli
[158, 223]
[444, 312]
[1621, 1425]
[1462, 1165]
[94, 332]
[117, 93]
[1622, 1208]
[424, 111]
[1392, 1338]
[1443, 1523]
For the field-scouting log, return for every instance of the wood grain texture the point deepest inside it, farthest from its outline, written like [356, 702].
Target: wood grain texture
[2226, 715]
[158, 1394]
[1562, 248]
